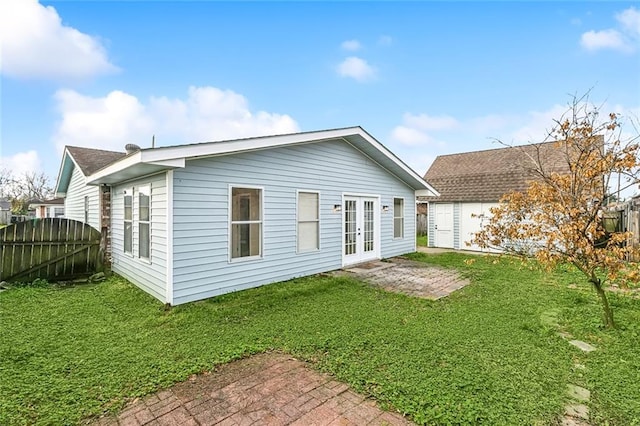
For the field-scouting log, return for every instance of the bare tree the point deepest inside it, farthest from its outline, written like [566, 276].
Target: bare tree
[559, 218]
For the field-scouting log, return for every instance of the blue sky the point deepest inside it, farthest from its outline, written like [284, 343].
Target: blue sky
[424, 78]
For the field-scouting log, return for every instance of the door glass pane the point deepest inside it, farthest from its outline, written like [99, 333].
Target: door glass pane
[368, 226]
[349, 227]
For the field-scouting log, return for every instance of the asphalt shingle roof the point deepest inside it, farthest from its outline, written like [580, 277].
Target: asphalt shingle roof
[483, 176]
[91, 160]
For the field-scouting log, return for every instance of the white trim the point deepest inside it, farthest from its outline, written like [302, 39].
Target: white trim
[307, 191]
[124, 220]
[393, 215]
[415, 223]
[169, 238]
[176, 155]
[148, 186]
[377, 252]
[231, 259]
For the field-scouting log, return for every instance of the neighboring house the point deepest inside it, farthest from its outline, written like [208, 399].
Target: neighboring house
[471, 183]
[81, 201]
[48, 208]
[194, 221]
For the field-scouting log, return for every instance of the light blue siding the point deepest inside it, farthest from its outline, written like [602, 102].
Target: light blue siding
[74, 199]
[150, 275]
[201, 263]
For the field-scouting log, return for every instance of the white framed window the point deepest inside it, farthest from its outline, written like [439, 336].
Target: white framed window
[308, 221]
[86, 209]
[144, 222]
[398, 218]
[246, 222]
[128, 220]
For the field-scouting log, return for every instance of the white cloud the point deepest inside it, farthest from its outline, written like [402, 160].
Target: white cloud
[36, 45]
[429, 122]
[22, 162]
[605, 39]
[630, 21]
[625, 38]
[415, 129]
[409, 136]
[207, 114]
[419, 138]
[351, 45]
[357, 69]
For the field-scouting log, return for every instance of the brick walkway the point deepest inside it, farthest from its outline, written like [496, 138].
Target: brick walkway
[408, 277]
[265, 389]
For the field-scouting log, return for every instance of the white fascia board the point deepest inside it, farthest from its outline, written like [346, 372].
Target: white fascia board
[241, 145]
[119, 165]
[391, 156]
[174, 163]
[427, 193]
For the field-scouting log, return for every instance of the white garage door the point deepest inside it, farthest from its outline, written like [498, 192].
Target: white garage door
[472, 217]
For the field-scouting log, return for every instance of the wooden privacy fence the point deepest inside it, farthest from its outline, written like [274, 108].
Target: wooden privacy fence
[52, 248]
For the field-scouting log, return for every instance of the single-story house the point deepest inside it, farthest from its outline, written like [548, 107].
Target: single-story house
[194, 221]
[77, 165]
[48, 208]
[471, 183]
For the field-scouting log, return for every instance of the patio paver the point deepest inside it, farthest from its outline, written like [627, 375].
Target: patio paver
[265, 389]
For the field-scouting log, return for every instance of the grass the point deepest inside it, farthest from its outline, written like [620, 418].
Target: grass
[422, 240]
[487, 354]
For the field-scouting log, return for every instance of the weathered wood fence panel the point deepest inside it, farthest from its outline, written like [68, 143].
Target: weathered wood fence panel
[421, 224]
[52, 248]
[633, 225]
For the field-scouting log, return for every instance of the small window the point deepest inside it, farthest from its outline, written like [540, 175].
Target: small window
[246, 222]
[86, 209]
[308, 221]
[398, 218]
[58, 212]
[128, 216]
[144, 219]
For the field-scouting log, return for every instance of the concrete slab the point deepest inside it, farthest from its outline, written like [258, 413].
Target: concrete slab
[578, 411]
[412, 278]
[578, 393]
[582, 345]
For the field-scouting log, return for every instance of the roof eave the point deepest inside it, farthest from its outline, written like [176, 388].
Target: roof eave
[153, 160]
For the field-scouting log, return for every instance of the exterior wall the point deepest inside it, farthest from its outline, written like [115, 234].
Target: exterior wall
[431, 223]
[456, 226]
[464, 224]
[149, 275]
[201, 215]
[74, 200]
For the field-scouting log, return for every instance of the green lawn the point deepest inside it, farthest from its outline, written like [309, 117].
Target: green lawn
[422, 240]
[487, 354]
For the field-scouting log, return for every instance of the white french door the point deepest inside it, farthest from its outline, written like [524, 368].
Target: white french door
[361, 229]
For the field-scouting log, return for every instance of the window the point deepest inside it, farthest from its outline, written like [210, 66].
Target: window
[58, 211]
[398, 218]
[86, 209]
[144, 217]
[128, 216]
[308, 221]
[246, 222]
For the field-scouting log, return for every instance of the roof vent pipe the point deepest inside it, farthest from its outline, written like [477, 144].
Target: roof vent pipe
[131, 148]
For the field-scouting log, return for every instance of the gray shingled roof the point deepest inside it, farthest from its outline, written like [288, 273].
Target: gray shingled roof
[91, 160]
[484, 176]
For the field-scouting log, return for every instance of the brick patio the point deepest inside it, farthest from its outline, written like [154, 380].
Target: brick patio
[265, 389]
